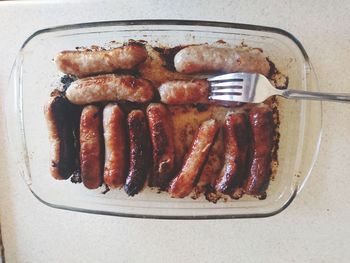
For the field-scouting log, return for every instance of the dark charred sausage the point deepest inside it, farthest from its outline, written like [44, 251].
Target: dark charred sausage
[236, 148]
[140, 152]
[59, 116]
[262, 125]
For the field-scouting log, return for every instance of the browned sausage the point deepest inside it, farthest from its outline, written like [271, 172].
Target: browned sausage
[114, 131]
[140, 152]
[86, 63]
[91, 155]
[109, 88]
[204, 58]
[161, 132]
[59, 122]
[262, 125]
[183, 183]
[236, 148]
[184, 91]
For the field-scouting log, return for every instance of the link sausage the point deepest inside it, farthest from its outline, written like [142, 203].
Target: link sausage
[60, 125]
[91, 155]
[109, 88]
[114, 132]
[86, 63]
[140, 152]
[203, 58]
[236, 148]
[184, 92]
[161, 132]
[262, 125]
[183, 183]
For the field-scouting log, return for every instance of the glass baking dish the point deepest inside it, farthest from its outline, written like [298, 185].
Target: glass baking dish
[34, 75]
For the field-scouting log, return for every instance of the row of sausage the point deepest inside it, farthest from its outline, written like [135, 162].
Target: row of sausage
[126, 150]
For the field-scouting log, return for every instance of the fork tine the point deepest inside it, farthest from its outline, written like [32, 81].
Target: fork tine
[229, 76]
[234, 84]
[227, 97]
[227, 90]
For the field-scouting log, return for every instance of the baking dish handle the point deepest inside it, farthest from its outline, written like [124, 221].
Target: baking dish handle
[15, 136]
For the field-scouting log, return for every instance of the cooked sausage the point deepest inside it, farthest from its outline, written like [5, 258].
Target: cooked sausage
[86, 63]
[236, 148]
[58, 117]
[262, 125]
[91, 155]
[184, 92]
[183, 183]
[161, 132]
[204, 58]
[109, 88]
[140, 152]
[114, 132]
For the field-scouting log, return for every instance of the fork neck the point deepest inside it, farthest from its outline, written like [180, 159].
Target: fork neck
[309, 95]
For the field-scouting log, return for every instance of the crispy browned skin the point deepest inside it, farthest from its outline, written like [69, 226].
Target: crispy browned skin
[59, 122]
[182, 184]
[114, 132]
[184, 91]
[262, 125]
[140, 152]
[91, 154]
[161, 132]
[109, 88]
[204, 58]
[236, 148]
[86, 63]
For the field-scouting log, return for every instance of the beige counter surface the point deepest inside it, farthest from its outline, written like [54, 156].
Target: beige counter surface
[315, 228]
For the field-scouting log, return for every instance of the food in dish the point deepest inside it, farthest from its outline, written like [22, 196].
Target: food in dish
[87, 63]
[146, 120]
[140, 152]
[109, 88]
[58, 113]
[114, 133]
[91, 149]
[237, 143]
[261, 122]
[204, 58]
[184, 91]
[183, 183]
[161, 131]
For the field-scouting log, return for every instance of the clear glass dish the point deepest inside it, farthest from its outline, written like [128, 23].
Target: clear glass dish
[34, 75]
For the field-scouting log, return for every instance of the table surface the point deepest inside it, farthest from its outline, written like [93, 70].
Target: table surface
[315, 228]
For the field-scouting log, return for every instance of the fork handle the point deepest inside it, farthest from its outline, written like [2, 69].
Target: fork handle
[308, 95]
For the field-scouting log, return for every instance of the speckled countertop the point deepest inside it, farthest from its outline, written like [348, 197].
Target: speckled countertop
[315, 228]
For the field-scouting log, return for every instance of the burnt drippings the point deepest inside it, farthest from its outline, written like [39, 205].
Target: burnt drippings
[201, 107]
[76, 177]
[273, 68]
[168, 55]
[210, 194]
[107, 189]
[66, 80]
[133, 42]
[280, 80]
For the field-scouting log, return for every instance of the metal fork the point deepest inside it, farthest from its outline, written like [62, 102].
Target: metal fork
[255, 88]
